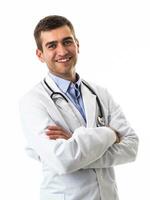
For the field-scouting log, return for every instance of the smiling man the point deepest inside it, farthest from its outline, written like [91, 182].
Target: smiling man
[73, 128]
[59, 51]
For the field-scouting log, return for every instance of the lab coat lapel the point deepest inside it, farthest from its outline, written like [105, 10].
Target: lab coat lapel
[52, 84]
[63, 110]
[90, 105]
[53, 107]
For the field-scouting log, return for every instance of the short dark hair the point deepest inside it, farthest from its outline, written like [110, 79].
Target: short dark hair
[49, 23]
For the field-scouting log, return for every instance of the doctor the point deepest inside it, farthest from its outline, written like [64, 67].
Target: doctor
[75, 129]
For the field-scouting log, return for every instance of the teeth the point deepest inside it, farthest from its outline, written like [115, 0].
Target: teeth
[63, 60]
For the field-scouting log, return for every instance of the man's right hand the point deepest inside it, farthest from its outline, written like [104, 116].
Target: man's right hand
[117, 138]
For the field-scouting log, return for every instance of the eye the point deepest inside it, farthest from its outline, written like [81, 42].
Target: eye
[67, 42]
[51, 46]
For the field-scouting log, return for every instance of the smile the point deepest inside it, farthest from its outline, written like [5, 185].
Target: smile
[63, 60]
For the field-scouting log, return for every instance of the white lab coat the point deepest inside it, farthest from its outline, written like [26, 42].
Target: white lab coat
[80, 168]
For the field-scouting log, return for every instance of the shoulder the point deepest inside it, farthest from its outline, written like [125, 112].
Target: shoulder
[103, 94]
[99, 90]
[37, 95]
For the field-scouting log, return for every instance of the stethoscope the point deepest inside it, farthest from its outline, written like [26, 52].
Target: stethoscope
[100, 118]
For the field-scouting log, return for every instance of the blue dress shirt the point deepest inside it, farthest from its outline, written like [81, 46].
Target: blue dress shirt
[71, 90]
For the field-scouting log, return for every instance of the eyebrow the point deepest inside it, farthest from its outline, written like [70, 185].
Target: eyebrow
[55, 41]
[49, 43]
[67, 38]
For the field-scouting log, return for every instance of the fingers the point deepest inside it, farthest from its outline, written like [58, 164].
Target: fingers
[54, 137]
[54, 127]
[117, 138]
[57, 132]
[57, 135]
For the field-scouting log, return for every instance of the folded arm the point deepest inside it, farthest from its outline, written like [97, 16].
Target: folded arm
[126, 150]
[62, 155]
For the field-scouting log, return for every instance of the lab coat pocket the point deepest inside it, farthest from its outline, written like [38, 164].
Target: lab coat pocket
[46, 195]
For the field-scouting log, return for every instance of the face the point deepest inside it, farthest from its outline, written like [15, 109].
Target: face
[60, 51]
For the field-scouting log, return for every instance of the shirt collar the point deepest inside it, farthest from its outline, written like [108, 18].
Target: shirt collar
[64, 84]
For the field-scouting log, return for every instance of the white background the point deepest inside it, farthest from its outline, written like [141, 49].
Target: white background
[114, 52]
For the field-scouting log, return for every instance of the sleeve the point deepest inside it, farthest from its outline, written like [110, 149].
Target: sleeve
[126, 150]
[62, 156]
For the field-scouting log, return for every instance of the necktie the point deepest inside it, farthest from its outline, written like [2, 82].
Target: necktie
[77, 99]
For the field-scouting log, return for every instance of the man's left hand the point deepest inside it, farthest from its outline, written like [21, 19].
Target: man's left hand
[57, 132]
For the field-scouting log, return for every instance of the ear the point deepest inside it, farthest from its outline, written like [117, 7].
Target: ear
[77, 42]
[40, 56]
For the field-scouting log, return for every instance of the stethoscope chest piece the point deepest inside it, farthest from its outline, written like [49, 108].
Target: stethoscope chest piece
[100, 121]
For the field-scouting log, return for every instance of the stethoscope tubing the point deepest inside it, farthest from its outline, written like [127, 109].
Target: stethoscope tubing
[100, 118]
[97, 99]
[55, 93]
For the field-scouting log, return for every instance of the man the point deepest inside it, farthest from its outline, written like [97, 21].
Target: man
[73, 128]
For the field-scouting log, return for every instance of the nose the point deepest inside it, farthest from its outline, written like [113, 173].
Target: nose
[61, 50]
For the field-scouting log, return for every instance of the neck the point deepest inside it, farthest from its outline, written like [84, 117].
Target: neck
[70, 77]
